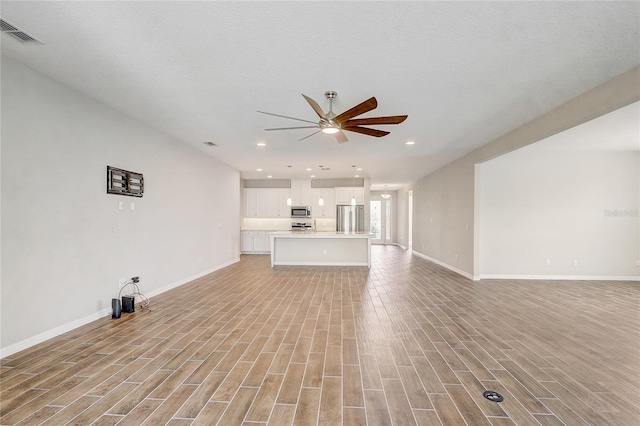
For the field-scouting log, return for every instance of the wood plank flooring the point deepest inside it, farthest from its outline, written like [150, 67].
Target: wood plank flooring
[403, 343]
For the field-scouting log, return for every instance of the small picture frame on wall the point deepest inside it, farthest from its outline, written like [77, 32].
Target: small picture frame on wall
[124, 182]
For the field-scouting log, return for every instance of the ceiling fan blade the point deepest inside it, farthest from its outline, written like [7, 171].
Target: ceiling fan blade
[315, 107]
[393, 119]
[284, 116]
[366, 131]
[361, 108]
[309, 135]
[341, 137]
[291, 128]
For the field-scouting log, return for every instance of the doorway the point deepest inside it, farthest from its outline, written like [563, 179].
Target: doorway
[380, 220]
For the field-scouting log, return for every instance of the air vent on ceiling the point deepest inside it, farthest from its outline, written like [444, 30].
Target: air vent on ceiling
[17, 33]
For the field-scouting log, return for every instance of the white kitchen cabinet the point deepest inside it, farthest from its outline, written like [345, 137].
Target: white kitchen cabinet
[266, 202]
[328, 210]
[255, 202]
[301, 193]
[344, 195]
[277, 203]
[254, 242]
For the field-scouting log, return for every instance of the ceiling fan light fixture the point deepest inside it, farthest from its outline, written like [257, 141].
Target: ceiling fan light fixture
[330, 130]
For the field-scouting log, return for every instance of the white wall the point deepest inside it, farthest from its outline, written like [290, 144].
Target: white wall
[402, 218]
[555, 205]
[444, 201]
[65, 243]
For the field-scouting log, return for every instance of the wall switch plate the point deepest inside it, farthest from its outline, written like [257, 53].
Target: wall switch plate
[548, 262]
[121, 205]
[133, 205]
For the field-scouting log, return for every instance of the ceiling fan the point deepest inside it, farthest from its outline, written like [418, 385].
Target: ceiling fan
[335, 124]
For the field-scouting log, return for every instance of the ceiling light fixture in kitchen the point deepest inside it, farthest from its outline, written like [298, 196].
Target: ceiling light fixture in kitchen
[353, 184]
[386, 194]
[289, 197]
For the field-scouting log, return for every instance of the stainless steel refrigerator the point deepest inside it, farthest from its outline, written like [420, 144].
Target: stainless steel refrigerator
[350, 218]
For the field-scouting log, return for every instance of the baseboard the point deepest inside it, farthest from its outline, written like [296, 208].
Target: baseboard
[189, 279]
[49, 334]
[560, 277]
[445, 265]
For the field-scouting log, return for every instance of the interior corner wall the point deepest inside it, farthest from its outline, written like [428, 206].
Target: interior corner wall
[576, 210]
[444, 218]
[402, 218]
[65, 241]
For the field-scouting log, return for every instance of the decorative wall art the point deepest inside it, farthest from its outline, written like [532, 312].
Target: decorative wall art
[123, 182]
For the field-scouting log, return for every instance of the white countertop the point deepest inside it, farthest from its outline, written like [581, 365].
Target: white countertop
[318, 234]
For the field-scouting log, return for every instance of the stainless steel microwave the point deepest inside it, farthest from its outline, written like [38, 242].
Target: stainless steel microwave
[301, 211]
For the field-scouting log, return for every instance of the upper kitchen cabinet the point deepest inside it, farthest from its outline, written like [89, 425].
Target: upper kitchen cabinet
[301, 193]
[255, 202]
[345, 194]
[277, 203]
[266, 202]
[328, 210]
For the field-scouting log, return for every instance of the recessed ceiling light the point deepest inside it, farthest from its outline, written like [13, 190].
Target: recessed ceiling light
[410, 143]
[261, 144]
[356, 176]
[359, 169]
[269, 177]
[308, 169]
[258, 170]
[313, 176]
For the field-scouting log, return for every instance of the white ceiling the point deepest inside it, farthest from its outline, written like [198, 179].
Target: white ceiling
[464, 72]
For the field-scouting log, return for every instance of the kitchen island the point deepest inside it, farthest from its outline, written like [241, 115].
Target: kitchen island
[320, 248]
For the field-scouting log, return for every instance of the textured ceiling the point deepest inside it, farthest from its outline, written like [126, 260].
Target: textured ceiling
[464, 72]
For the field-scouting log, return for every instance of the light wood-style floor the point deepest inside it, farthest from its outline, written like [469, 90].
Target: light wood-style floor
[406, 342]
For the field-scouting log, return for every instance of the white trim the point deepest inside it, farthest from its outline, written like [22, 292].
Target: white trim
[39, 338]
[189, 279]
[560, 277]
[445, 265]
[49, 334]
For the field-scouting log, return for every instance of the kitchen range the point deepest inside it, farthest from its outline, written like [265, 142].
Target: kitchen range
[301, 226]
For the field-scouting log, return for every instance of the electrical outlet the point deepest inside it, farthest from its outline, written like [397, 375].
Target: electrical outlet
[575, 262]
